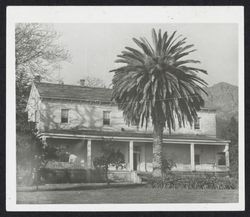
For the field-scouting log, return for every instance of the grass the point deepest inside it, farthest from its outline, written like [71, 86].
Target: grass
[136, 194]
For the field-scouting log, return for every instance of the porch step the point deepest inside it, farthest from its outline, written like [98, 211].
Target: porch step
[144, 176]
[119, 176]
[124, 176]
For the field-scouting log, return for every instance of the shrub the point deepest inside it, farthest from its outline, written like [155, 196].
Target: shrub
[109, 157]
[167, 166]
[62, 165]
[173, 181]
[69, 175]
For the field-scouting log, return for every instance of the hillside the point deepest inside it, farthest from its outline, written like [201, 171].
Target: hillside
[224, 98]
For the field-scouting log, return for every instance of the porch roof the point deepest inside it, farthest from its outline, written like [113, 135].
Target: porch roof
[128, 135]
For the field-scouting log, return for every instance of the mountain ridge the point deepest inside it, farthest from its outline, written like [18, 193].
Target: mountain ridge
[224, 98]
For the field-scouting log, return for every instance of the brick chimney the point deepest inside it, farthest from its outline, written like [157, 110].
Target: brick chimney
[82, 82]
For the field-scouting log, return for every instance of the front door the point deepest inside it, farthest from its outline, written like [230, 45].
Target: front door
[136, 161]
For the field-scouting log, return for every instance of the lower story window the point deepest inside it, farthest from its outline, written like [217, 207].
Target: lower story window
[197, 159]
[221, 159]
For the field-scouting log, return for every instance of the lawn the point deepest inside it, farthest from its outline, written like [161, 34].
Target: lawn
[138, 194]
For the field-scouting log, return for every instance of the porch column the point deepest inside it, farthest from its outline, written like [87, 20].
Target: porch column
[89, 164]
[192, 156]
[227, 155]
[131, 155]
[143, 158]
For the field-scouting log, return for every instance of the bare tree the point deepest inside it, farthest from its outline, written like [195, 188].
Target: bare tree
[94, 82]
[37, 50]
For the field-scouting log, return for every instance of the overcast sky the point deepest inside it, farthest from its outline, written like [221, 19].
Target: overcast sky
[93, 48]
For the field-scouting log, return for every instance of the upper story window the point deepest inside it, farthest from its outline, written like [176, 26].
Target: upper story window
[36, 116]
[197, 123]
[64, 115]
[106, 117]
[135, 124]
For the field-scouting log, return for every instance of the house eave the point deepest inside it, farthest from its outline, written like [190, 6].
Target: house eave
[112, 103]
[79, 100]
[135, 139]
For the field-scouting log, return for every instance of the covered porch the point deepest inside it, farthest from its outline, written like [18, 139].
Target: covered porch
[196, 153]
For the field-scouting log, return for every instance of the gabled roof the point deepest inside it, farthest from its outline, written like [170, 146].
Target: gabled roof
[73, 92]
[77, 92]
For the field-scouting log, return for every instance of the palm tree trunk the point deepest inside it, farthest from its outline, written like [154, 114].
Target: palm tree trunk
[157, 150]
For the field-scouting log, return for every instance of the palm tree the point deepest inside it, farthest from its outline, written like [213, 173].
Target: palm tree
[155, 84]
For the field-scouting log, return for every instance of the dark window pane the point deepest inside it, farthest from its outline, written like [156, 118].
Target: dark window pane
[106, 117]
[36, 116]
[197, 159]
[106, 122]
[64, 115]
[197, 123]
[221, 159]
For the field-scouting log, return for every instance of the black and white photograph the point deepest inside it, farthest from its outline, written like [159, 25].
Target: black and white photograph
[111, 110]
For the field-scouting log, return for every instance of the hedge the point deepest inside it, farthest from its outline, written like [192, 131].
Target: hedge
[71, 175]
[173, 181]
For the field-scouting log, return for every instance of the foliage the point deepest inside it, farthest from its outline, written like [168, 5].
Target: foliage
[37, 52]
[27, 145]
[231, 133]
[71, 175]
[22, 92]
[94, 82]
[117, 159]
[24, 149]
[109, 157]
[37, 49]
[29, 156]
[167, 166]
[157, 83]
[56, 153]
[174, 181]
[52, 164]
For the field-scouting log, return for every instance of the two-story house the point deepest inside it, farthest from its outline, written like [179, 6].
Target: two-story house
[81, 119]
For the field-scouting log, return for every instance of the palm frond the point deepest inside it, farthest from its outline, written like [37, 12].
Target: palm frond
[157, 84]
[154, 37]
[166, 45]
[146, 50]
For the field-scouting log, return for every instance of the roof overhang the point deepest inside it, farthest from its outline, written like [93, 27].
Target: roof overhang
[93, 101]
[177, 140]
[112, 103]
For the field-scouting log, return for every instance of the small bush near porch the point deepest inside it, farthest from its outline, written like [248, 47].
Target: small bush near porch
[174, 181]
[71, 175]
